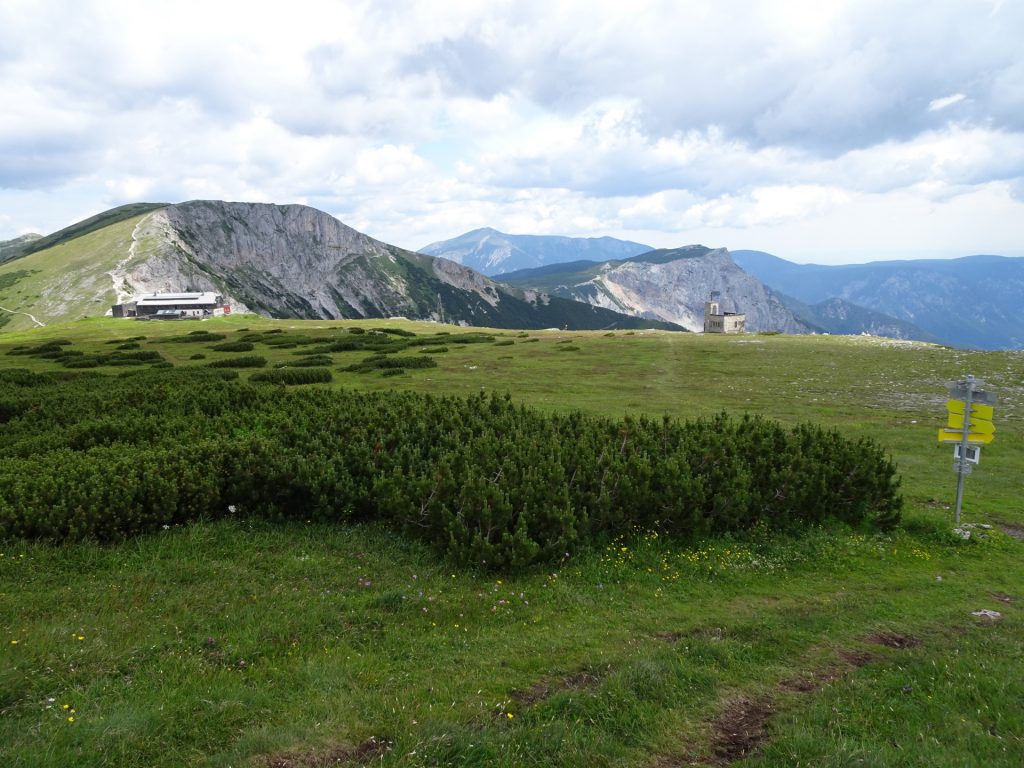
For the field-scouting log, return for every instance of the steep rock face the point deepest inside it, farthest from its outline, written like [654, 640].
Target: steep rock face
[280, 259]
[675, 291]
[296, 261]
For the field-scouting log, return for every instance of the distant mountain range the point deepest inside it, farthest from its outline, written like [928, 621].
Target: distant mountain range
[295, 261]
[495, 253]
[277, 260]
[670, 285]
[972, 302]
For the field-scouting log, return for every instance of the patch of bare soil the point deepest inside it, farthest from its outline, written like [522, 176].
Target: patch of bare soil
[1011, 530]
[532, 695]
[857, 659]
[739, 730]
[339, 754]
[742, 725]
[580, 681]
[812, 681]
[538, 692]
[703, 633]
[892, 640]
[669, 637]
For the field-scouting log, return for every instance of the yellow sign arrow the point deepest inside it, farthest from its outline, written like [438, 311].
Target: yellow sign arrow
[956, 421]
[956, 435]
[978, 411]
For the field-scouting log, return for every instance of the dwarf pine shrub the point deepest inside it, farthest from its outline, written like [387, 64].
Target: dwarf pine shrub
[248, 361]
[480, 478]
[233, 346]
[298, 375]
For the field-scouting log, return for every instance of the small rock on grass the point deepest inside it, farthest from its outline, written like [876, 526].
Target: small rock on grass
[985, 613]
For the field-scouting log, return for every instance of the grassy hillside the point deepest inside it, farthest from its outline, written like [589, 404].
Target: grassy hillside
[245, 643]
[92, 224]
[67, 280]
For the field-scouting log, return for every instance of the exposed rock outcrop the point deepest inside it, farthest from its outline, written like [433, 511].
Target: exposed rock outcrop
[671, 286]
[296, 261]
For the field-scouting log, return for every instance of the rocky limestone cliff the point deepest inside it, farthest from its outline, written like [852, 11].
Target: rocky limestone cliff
[296, 261]
[675, 291]
[279, 259]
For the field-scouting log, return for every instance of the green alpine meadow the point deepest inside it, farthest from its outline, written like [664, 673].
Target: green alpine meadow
[295, 543]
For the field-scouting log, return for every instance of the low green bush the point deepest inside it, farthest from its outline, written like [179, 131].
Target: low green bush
[468, 338]
[312, 361]
[382, 362]
[120, 358]
[127, 340]
[143, 356]
[288, 340]
[294, 376]
[81, 362]
[489, 482]
[233, 346]
[250, 361]
[192, 337]
[47, 348]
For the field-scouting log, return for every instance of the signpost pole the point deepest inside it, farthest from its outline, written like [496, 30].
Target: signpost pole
[962, 464]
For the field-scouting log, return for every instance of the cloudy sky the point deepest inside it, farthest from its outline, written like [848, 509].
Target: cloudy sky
[820, 130]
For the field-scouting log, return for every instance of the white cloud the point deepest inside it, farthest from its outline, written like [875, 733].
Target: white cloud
[419, 120]
[946, 101]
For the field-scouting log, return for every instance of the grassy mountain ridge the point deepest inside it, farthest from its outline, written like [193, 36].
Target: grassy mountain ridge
[81, 228]
[667, 255]
[12, 249]
[68, 280]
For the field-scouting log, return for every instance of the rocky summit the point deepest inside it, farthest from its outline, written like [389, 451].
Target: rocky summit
[275, 260]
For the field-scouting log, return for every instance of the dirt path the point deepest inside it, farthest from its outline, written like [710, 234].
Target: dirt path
[119, 274]
[30, 317]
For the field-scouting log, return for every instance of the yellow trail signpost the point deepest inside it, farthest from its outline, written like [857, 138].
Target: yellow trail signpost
[955, 423]
[969, 425]
[973, 438]
[978, 410]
